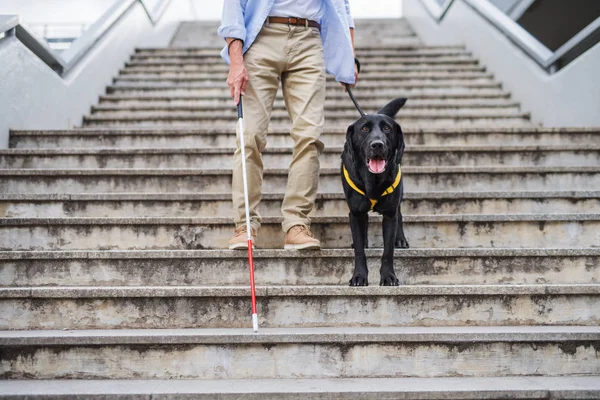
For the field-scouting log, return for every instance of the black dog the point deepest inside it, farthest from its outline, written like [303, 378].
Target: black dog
[372, 180]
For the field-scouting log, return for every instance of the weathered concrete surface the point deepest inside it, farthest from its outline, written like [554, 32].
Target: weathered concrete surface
[176, 138]
[207, 157]
[448, 231]
[299, 389]
[329, 267]
[334, 360]
[416, 179]
[209, 205]
[298, 306]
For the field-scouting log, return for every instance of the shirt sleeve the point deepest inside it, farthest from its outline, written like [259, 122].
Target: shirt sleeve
[349, 15]
[232, 22]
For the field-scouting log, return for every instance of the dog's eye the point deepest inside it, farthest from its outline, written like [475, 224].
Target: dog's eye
[386, 128]
[365, 129]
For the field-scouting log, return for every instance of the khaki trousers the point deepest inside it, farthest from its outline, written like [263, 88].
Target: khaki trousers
[294, 56]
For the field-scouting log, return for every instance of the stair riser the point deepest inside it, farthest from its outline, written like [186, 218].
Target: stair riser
[277, 160]
[330, 360]
[385, 94]
[518, 121]
[365, 76]
[294, 271]
[379, 61]
[222, 105]
[520, 234]
[176, 183]
[172, 139]
[224, 110]
[367, 56]
[271, 207]
[296, 311]
[384, 82]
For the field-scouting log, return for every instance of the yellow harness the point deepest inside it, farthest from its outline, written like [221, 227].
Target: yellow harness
[387, 191]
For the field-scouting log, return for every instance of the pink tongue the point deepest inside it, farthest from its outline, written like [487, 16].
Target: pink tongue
[377, 165]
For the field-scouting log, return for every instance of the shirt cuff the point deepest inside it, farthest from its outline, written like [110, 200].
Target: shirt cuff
[232, 31]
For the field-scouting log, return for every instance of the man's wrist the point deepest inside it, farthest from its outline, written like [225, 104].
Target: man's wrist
[235, 47]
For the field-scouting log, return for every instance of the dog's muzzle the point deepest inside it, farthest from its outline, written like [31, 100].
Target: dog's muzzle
[376, 157]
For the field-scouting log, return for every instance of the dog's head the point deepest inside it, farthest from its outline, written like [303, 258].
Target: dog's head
[377, 139]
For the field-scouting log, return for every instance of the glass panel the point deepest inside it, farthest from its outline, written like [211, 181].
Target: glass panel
[552, 22]
[58, 22]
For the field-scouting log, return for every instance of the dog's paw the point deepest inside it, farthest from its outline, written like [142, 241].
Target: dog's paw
[402, 244]
[358, 280]
[389, 279]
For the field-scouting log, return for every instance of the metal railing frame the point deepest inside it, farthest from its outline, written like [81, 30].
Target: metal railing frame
[550, 61]
[64, 62]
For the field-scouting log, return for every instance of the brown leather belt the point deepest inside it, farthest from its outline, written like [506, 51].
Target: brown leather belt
[294, 21]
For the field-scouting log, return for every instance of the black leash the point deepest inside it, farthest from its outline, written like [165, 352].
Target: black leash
[362, 113]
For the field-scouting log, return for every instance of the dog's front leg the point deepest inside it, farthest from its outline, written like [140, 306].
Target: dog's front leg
[360, 275]
[388, 276]
[401, 241]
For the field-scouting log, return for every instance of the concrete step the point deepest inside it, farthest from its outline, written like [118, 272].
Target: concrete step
[299, 389]
[409, 59]
[281, 267]
[416, 179]
[280, 116]
[214, 86]
[363, 52]
[222, 68]
[422, 231]
[366, 76]
[177, 307]
[274, 157]
[380, 97]
[174, 138]
[223, 105]
[278, 354]
[208, 205]
[415, 121]
[366, 81]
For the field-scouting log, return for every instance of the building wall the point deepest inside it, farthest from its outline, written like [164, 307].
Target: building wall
[570, 97]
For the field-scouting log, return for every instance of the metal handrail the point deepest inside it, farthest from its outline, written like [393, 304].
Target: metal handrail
[549, 60]
[436, 11]
[63, 63]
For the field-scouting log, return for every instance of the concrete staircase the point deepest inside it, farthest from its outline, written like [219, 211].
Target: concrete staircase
[114, 283]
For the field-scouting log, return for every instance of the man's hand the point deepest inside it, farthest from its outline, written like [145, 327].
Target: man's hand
[355, 79]
[237, 80]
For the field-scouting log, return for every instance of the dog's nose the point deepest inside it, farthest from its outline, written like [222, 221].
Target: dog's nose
[377, 145]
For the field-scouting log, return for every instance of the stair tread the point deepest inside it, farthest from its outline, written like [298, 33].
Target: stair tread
[72, 292]
[580, 194]
[581, 387]
[568, 217]
[284, 254]
[280, 171]
[457, 334]
[227, 130]
[284, 150]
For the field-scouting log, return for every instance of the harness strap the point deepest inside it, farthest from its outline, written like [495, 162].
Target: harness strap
[387, 191]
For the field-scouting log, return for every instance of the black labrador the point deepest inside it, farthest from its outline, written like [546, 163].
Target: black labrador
[372, 180]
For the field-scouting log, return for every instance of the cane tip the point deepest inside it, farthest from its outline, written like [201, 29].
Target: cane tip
[255, 323]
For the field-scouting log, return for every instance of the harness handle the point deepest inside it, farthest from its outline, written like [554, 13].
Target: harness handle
[362, 113]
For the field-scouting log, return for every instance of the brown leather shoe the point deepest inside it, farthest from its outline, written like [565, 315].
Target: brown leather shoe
[300, 237]
[239, 240]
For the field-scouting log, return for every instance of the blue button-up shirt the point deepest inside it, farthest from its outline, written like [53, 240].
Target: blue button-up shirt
[243, 19]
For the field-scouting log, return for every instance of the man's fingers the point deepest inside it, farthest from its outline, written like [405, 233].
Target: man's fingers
[243, 86]
[236, 95]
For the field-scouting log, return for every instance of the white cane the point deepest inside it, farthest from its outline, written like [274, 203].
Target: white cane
[248, 227]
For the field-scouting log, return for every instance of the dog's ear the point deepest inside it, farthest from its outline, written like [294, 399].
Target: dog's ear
[349, 145]
[401, 145]
[392, 108]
